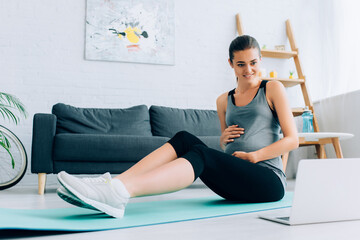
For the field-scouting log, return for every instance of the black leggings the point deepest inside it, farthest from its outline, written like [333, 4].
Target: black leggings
[230, 177]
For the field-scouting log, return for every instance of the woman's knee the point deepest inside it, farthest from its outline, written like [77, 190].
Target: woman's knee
[183, 141]
[187, 139]
[183, 135]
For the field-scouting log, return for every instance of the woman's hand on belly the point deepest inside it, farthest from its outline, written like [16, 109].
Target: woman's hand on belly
[230, 133]
[250, 156]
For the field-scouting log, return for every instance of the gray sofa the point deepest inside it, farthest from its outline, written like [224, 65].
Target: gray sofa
[93, 141]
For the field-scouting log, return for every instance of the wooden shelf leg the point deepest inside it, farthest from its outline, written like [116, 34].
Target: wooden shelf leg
[337, 147]
[42, 181]
[320, 150]
[239, 25]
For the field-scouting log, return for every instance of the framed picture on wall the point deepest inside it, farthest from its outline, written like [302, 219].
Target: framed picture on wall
[140, 31]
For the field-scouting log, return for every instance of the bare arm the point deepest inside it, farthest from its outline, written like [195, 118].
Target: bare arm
[290, 141]
[221, 105]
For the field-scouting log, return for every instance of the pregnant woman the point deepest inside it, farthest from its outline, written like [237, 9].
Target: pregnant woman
[250, 168]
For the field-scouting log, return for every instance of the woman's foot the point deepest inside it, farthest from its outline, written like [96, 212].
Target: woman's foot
[72, 199]
[100, 192]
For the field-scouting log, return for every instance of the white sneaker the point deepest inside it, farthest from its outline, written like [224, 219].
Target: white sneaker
[97, 192]
[72, 199]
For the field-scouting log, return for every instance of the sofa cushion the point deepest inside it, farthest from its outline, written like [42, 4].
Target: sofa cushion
[166, 121]
[212, 142]
[128, 121]
[104, 147]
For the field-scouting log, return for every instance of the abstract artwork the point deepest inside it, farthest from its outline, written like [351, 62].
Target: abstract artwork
[140, 31]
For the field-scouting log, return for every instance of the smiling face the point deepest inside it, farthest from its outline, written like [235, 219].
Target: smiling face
[246, 64]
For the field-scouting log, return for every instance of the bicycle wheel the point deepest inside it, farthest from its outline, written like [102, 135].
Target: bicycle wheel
[10, 176]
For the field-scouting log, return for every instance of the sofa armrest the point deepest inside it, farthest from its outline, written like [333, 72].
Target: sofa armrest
[44, 129]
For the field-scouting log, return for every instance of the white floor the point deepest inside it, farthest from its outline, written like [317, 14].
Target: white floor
[243, 226]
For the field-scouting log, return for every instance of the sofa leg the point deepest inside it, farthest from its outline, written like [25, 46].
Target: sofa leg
[42, 181]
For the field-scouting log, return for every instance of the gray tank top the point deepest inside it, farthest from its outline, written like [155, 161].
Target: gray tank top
[261, 126]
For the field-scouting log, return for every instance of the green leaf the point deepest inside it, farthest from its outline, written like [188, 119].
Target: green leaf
[4, 140]
[11, 156]
[11, 115]
[8, 103]
[7, 143]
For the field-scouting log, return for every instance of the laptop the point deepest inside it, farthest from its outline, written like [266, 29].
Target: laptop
[326, 190]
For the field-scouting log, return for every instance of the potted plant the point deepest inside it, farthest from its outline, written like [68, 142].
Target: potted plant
[291, 74]
[9, 103]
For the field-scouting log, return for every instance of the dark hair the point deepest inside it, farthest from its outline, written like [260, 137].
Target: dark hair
[243, 42]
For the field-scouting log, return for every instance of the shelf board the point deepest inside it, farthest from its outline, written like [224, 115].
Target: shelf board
[297, 111]
[278, 54]
[286, 81]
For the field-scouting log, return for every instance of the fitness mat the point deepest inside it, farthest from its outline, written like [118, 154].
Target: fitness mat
[136, 214]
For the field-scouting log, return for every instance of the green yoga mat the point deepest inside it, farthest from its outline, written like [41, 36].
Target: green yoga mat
[136, 214]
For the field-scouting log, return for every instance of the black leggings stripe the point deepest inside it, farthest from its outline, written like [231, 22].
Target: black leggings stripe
[230, 177]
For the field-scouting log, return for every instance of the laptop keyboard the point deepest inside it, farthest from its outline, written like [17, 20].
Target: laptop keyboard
[284, 218]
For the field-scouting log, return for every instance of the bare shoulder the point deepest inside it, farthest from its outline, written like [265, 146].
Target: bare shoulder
[222, 97]
[275, 86]
[275, 89]
[221, 101]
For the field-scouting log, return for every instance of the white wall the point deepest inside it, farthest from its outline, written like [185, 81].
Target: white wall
[340, 49]
[341, 113]
[42, 55]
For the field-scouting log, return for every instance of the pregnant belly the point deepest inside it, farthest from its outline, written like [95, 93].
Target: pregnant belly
[248, 145]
